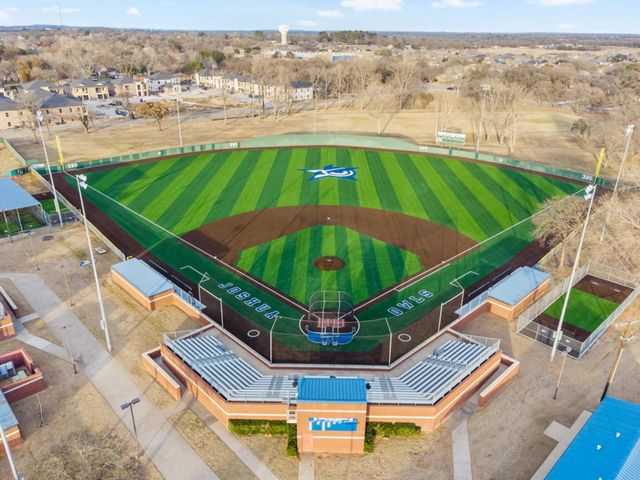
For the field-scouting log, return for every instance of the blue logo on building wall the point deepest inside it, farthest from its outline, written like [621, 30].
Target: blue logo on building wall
[348, 173]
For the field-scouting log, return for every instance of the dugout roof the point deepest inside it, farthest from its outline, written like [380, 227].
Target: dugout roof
[332, 390]
[7, 417]
[13, 197]
[142, 277]
[518, 285]
[607, 446]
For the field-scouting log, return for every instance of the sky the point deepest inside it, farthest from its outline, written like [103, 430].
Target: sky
[584, 16]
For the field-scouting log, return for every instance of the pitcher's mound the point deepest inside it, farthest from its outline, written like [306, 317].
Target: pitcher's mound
[328, 263]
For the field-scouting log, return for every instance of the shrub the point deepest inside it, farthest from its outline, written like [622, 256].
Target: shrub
[258, 427]
[369, 439]
[292, 440]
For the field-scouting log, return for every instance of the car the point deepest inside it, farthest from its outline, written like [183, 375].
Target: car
[122, 113]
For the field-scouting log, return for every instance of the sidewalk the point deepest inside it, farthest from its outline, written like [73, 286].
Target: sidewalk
[171, 454]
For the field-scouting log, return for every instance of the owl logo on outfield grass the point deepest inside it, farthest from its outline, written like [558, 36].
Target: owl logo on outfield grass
[348, 173]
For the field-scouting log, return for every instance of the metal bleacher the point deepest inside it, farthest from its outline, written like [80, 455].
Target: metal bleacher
[237, 380]
[431, 379]
[231, 376]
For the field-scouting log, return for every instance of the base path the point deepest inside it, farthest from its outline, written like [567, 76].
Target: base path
[170, 453]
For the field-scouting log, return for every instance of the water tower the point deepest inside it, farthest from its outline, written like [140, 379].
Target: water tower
[283, 29]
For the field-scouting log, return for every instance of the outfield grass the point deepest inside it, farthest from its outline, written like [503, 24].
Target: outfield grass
[585, 311]
[177, 195]
[385, 264]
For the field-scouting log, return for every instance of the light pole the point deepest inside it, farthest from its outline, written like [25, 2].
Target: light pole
[46, 157]
[130, 405]
[590, 191]
[565, 354]
[485, 89]
[629, 133]
[625, 338]
[7, 449]
[33, 250]
[82, 185]
[179, 124]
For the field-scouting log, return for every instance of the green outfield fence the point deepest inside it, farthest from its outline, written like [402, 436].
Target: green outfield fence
[334, 140]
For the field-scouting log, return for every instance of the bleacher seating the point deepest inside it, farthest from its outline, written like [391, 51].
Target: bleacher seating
[432, 378]
[231, 376]
[426, 382]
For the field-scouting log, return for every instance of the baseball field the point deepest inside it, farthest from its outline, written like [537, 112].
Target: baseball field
[264, 229]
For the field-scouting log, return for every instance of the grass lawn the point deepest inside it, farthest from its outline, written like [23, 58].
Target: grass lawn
[584, 311]
[181, 194]
[29, 222]
[49, 206]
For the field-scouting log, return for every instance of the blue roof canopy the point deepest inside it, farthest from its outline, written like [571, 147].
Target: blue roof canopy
[144, 278]
[607, 446]
[332, 390]
[13, 197]
[518, 285]
[7, 417]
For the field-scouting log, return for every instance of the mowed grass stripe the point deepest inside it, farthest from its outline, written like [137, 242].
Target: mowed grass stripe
[223, 205]
[104, 179]
[310, 190]
[196, 214]
[342, 251]
[294, 178]
[286, 263]
[268, 196]
[383, 261]
[315, 247]
[462, 219]
[488, 224]
[496, 210]
[155, 173]
[158, 195]
[328, 248]
[408, 199]
[329, 187]
[372, 273]
[366, 187]
[347, 190]
[256, 181]
[274, 259]
[431, 205]
[382, 182]
[301, 260]
[190, 192]
[539, 187]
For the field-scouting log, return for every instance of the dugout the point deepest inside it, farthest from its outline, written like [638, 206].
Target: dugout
[143, 283]
[16, 207]
[513, 295]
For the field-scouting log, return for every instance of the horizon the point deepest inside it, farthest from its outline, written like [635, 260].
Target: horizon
[613, 17]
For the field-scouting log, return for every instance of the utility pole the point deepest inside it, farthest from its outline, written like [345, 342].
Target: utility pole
[565, 354]
[590, 191]
[625, 338]
[179, 124]
[130, 405]
[82, 185]
[485, 89]
[629, 134]
[46, 157]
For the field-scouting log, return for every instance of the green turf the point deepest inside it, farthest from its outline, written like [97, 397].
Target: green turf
[28, 220]
[585, 311]
[48, 205]
[279, 262]
[153, 201]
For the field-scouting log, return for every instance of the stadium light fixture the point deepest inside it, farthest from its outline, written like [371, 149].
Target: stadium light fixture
[629, 133]
[590, 195]
[40, 119]
[130, 405]
[83, 185]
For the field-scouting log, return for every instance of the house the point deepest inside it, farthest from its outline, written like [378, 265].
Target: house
[42, 85]
[56, 109]
[300, 91]
[158, 81]
[125, 87]
[87, 89]
[9, 91]
[205, 78]
[12, 114]
[294, 91]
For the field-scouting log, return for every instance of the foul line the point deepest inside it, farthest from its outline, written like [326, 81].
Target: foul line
[428, 273]
[213, 257]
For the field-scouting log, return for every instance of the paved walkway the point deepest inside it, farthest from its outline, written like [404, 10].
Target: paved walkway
[247, 457]
[306, 469]
[170, 453]
[461, 452]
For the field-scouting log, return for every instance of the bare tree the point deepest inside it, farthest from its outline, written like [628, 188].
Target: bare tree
[383, 101]
[364, 73]
[405, 80]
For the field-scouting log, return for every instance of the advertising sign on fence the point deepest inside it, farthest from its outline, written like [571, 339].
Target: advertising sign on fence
[449, 138]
